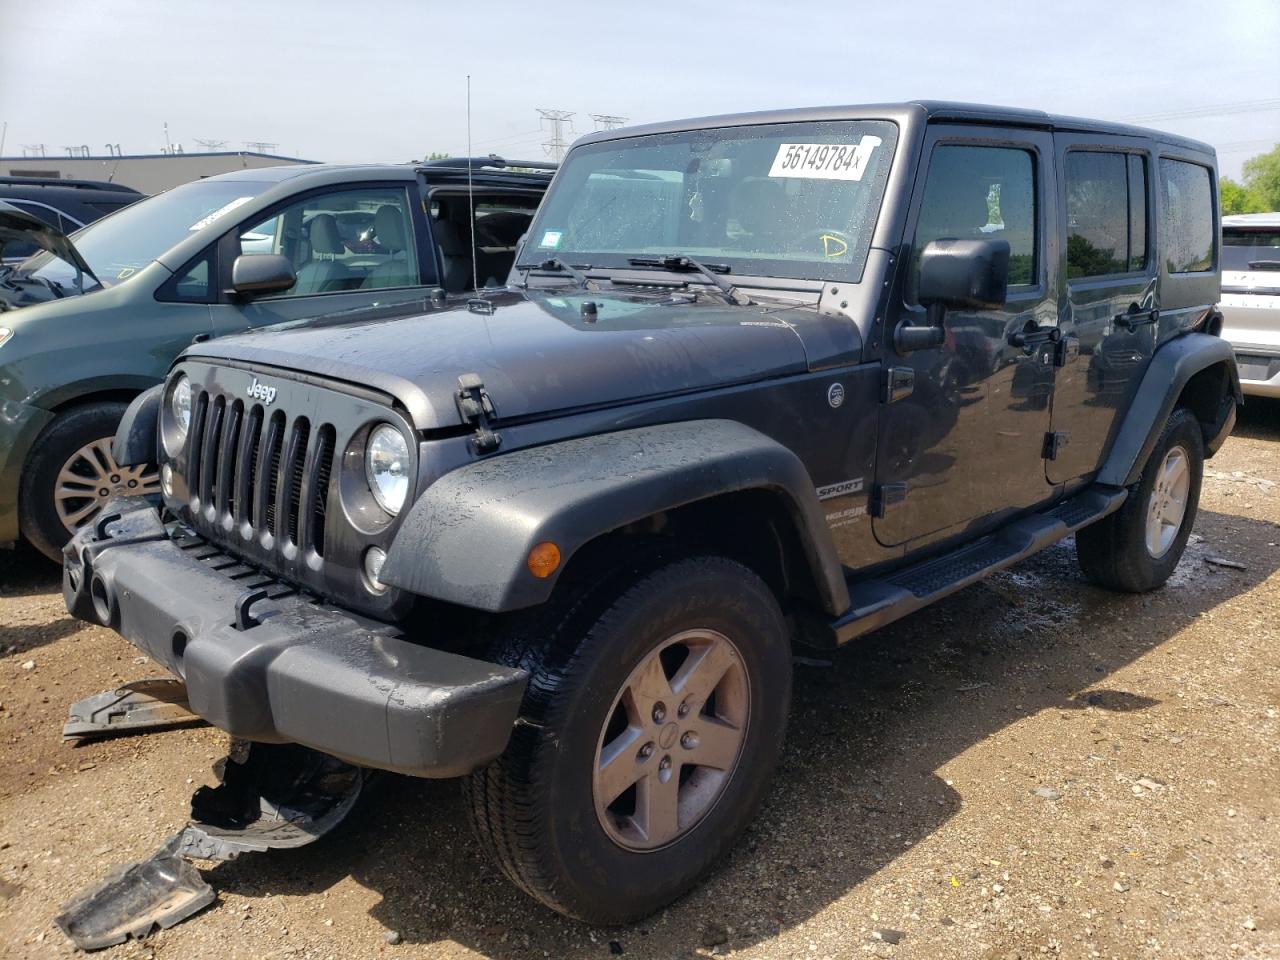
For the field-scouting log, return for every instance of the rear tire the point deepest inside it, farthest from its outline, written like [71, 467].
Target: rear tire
[1136, 548]
[70, 474]
[608, 686]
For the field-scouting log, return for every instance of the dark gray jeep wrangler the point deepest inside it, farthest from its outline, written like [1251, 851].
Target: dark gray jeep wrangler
[755, 380]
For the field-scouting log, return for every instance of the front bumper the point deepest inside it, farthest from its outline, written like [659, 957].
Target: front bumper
[284, 668]
[19, 426]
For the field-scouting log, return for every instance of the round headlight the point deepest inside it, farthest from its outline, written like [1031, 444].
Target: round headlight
[386, 464]
[180, 403]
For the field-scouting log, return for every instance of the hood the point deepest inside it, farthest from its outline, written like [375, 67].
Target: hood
[18, 226]
[536, 353]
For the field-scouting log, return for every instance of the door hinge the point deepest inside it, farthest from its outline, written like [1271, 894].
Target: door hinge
[886, 497]
[899, 382]
[476, 407]
[1053, 444]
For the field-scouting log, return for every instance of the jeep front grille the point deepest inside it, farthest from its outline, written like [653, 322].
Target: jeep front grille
[266, 476]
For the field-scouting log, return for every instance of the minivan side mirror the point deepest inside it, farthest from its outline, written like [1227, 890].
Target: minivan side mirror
[262, 273]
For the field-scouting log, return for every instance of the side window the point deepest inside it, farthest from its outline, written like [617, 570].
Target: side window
[976, 192]
[1186, 216]
[341, 241]
[190, 284]
[1106, 213]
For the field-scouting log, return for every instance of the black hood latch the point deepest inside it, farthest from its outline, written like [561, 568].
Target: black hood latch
[476, 407]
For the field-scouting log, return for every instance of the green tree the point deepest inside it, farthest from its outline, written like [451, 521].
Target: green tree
[437, 156]
[1237, 198]
[1262, 178]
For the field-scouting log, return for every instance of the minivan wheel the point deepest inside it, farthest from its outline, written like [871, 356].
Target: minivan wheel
[1137, 548]
[653, 719]
[70, 475]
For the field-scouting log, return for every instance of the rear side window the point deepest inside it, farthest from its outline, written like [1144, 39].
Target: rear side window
[1186, 201]
[1106, 213]
[977, 192]
[1244, 250]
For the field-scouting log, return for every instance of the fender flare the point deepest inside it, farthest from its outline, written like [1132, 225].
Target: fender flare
[467, 537]
[136, 441]
[1171, 369]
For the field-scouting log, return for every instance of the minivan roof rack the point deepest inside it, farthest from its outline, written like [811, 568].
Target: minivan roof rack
[70, 184]
[492, 161]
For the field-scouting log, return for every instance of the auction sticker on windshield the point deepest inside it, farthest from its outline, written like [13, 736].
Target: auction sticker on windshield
[221, 211]
[551, 239]
[824, 161]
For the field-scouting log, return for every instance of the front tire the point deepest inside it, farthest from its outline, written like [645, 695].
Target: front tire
[1136, 548]
[70, 474]
[653, 719]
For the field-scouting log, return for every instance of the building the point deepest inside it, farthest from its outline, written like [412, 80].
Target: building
[149, 173]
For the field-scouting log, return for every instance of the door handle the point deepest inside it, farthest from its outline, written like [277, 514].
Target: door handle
[1032, 335]
[1135, 317]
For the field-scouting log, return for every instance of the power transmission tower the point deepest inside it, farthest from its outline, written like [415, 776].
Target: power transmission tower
[606, 122]
[33, 150]
[261, 146]
[211, 146]
[559, 120]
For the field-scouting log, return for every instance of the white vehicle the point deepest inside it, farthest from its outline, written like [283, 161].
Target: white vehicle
[1251, 298]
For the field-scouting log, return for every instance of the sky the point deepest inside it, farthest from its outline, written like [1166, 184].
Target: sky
[385, 80]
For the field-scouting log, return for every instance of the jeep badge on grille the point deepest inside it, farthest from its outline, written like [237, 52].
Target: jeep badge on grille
[260, 391]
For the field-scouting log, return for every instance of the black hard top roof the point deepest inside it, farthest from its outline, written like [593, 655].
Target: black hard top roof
[928, 110]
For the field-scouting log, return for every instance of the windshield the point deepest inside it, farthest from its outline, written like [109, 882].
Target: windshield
[1243, 247]
[792, 200]
[120, 245]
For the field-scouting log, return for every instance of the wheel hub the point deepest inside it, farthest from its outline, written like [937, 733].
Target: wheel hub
[90, 477]
[1167, 505]
[658, 771]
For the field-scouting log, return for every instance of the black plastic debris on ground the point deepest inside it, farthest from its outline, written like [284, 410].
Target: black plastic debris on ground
[272, 796]
[137, 706]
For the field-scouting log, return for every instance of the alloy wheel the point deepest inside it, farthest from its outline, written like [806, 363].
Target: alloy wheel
[1167, 505]
[671, 740]
[91, 477]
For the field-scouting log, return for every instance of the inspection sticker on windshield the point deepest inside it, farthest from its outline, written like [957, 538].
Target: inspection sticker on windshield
[824, 161]
[551, 239]
[221, 211]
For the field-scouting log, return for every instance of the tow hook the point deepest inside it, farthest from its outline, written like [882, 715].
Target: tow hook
[271, 796]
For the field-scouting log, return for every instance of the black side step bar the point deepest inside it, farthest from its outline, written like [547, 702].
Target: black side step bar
[880, 601]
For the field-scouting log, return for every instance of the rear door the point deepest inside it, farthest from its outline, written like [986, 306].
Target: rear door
[1110, 313]
[967, 442]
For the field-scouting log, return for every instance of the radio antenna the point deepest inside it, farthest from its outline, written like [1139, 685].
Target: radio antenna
[471, 197]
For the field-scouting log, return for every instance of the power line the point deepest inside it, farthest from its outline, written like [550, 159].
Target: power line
[559, 120]
[1218, 109]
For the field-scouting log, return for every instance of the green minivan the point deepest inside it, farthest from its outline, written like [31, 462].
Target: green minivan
[214, 257]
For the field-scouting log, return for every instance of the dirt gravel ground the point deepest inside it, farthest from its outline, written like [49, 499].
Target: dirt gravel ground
[1032, 768]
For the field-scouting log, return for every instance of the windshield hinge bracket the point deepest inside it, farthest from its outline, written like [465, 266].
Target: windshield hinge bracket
[475, 407]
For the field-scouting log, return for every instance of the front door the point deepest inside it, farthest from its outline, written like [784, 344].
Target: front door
[1110, 319]
[968, 440]
[352, 247]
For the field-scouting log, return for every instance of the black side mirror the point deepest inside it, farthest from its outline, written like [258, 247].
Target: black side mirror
[970, 274]
[262, 273]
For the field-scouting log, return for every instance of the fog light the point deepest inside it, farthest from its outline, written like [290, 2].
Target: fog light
[374, 558]
[166, 480]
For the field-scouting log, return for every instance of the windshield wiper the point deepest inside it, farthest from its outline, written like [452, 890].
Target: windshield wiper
[680, 262]
[556, 265]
